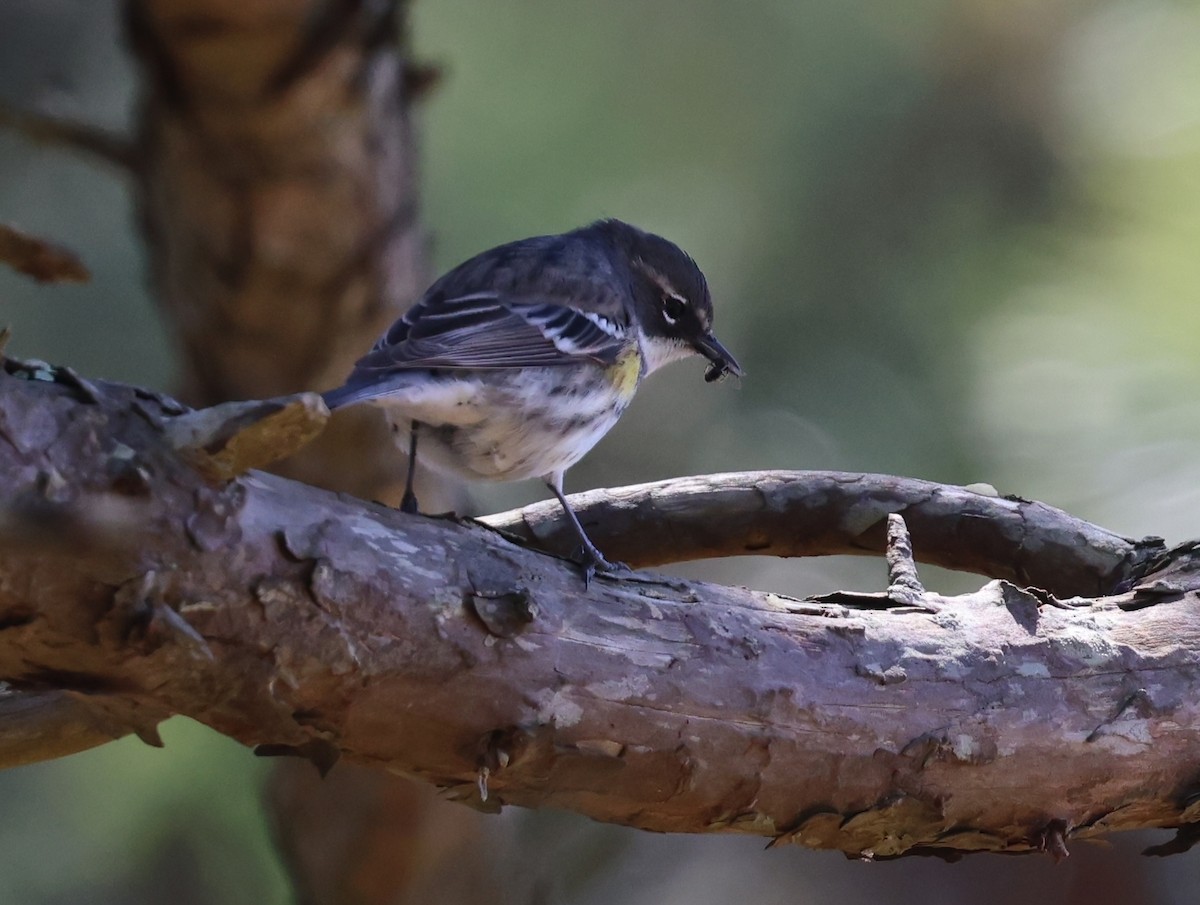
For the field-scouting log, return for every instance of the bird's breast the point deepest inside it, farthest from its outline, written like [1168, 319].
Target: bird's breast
[509, 426]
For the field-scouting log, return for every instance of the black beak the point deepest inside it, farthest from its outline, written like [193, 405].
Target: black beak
[722, 362]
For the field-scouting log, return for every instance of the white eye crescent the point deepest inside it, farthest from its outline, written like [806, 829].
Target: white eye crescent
[673, 307]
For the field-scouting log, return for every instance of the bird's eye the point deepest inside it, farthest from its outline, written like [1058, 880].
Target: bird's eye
[672, 308]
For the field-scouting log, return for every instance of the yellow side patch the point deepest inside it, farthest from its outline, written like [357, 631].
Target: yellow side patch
[625, 373]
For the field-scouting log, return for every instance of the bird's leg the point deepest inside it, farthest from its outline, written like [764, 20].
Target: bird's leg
[408, 502]
[592, 559]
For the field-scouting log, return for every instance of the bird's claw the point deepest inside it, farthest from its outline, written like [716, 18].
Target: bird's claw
[593, 563]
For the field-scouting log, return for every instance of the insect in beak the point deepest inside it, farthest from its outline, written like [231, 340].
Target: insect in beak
[721, 361]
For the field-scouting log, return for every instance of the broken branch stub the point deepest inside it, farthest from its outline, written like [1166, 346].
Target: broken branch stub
[228, 440]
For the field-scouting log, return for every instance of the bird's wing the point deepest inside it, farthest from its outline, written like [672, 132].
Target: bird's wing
[487, 330]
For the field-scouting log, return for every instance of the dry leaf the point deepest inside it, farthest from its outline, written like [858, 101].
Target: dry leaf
[42, 260]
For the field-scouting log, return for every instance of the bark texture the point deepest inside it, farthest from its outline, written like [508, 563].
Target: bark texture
[315, 624]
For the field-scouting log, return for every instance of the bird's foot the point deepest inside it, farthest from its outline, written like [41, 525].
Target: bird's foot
[408, 503]
[593, 562]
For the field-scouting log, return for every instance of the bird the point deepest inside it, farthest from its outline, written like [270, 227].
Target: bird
[515, 363]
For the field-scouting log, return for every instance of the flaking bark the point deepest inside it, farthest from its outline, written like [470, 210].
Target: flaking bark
[286, 616]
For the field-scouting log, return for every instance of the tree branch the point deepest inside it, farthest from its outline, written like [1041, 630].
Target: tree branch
[55, 131]
[817, 513]
[43, 725]
[286, 616]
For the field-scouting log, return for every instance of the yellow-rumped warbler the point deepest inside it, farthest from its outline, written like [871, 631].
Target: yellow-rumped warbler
[515, 363]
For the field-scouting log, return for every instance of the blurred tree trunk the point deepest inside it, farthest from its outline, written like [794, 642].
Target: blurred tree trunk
[278, 197]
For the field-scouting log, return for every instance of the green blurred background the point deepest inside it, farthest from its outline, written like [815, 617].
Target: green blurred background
[956, 241]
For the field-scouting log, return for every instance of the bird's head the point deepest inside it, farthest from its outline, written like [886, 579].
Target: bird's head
[674, 308]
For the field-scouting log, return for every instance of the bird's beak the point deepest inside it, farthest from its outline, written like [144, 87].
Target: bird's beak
[722, 362]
